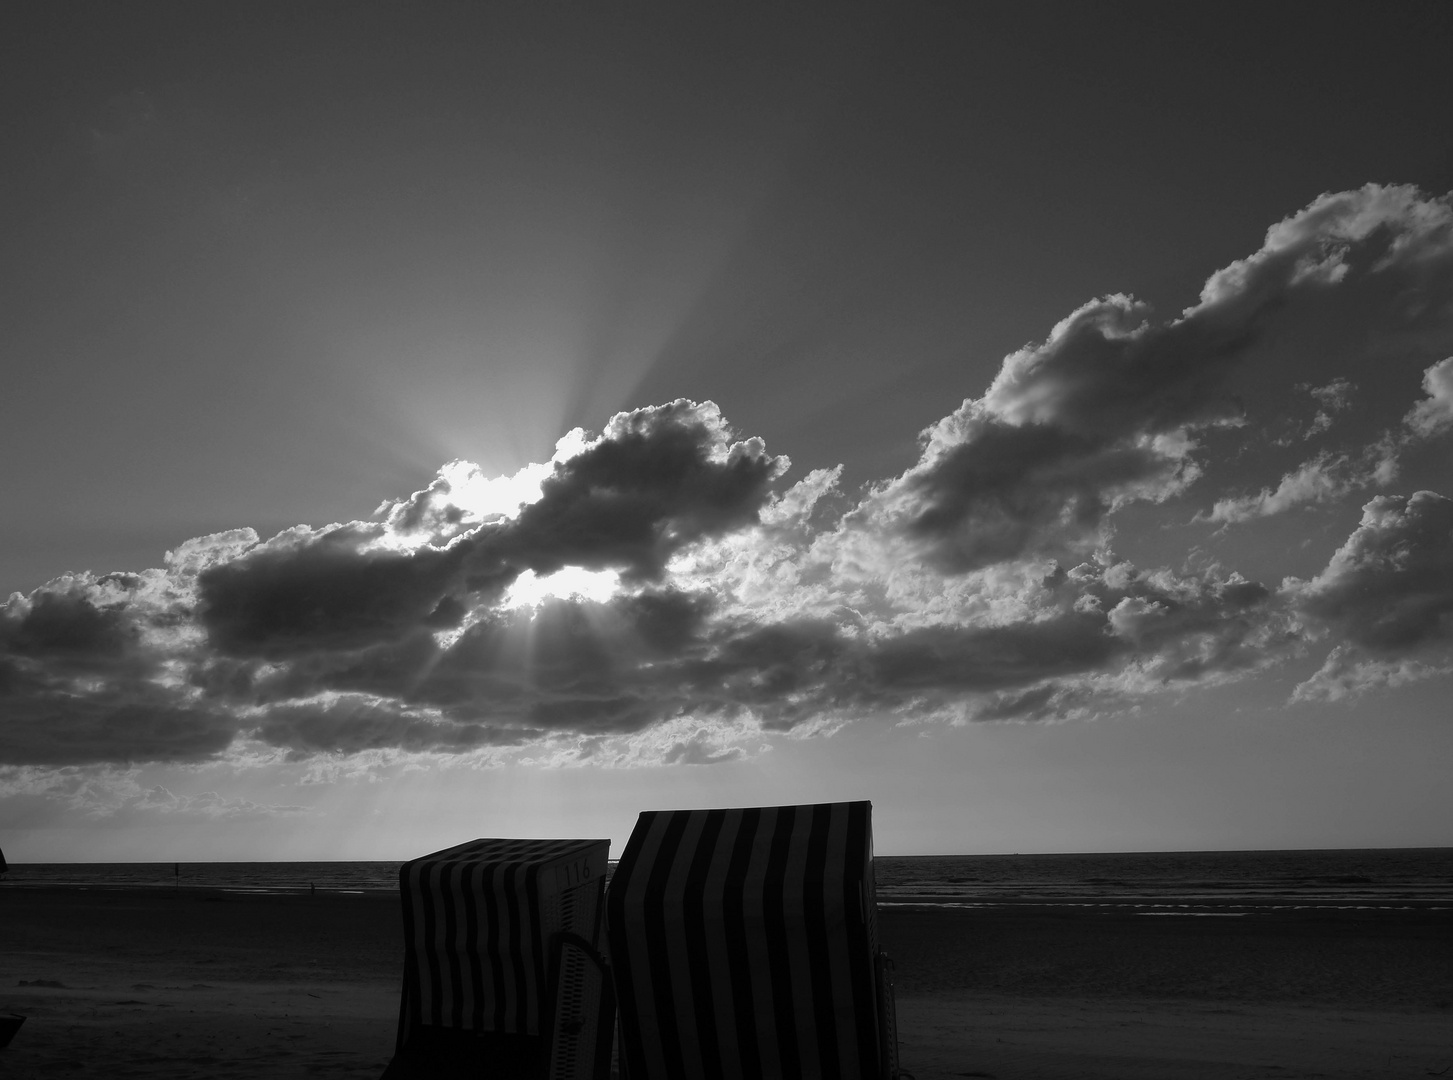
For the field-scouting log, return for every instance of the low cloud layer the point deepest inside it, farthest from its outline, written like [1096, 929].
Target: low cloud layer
[716, 602]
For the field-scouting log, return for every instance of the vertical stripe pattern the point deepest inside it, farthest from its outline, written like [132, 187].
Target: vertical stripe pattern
[478, 921]
[743, 944]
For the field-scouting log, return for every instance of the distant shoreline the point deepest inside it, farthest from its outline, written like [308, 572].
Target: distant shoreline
[1158, 906]
[1218, 884]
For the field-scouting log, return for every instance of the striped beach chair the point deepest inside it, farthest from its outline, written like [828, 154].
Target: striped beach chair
[501, 973]
[743, 945]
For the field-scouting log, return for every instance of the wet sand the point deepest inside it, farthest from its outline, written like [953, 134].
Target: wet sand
[152, 983]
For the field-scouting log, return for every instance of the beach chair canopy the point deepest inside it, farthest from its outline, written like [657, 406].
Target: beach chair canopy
[743, 945]
[478, 924]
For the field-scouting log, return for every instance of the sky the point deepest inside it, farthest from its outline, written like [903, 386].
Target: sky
[430, 422]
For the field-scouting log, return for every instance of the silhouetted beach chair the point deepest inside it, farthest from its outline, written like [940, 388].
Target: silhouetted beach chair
[502, 978]
[743, 944]
[9, 1025]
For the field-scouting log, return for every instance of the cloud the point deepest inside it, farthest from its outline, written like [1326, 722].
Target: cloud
[1387, 596]
[110, 794]
[335, 588]
[1322, 479]
[337, 723]
[1434, 414]
[568, 665]
[79, 728]
[727, 609]
[461, 496]
[1347, 675]
[90, 672]
[1390, 586]
[1101, 628]
[209, 804]
[1326, 478]
[1329, 477]
[656, 480]
[241, 638]
[1108, 409]
[1335, 397]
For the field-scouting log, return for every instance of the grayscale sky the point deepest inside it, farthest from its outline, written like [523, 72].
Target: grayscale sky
[436, 421]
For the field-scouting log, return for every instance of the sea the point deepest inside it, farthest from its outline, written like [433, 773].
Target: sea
[1186, 883]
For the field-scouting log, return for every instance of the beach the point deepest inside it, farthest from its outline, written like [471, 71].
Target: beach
[203, 983]
[1095, 994]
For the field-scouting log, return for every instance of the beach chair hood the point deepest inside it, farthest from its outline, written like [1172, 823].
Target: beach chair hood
[744, 945]
[478, 922]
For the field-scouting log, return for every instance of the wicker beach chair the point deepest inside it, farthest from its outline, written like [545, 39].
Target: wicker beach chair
[502, 978]
[744, 946]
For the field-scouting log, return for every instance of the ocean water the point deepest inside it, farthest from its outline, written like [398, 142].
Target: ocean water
[1178, 882]
[1201, 882]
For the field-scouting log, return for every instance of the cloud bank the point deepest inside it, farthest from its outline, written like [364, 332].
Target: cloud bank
[725, 604]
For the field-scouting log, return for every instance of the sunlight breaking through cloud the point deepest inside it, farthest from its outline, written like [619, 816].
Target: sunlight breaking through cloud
[530, 590]
[657, 592]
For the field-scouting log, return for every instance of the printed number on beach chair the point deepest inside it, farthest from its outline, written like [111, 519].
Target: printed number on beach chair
[744, 946]
[479, 923]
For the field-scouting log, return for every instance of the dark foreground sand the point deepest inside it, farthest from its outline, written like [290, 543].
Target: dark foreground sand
[193, 984]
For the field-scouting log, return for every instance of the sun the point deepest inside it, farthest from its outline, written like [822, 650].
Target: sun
[529, 590]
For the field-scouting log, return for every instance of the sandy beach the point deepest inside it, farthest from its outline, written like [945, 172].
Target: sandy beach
[191, 983]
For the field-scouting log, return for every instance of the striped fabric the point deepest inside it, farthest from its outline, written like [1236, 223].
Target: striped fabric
[478, 923]
[743, 945]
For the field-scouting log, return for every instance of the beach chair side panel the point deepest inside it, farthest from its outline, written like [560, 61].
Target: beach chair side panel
[583, 1019]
